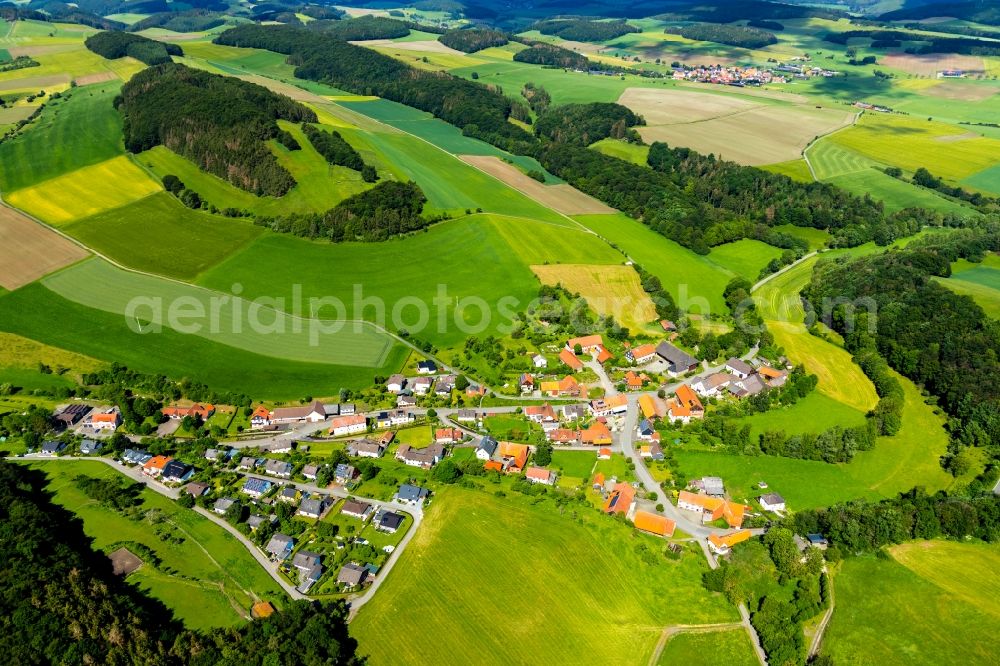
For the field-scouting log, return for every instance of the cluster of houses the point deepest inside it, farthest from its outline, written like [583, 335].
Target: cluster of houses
[97, 419]
[620, 498]
[740, 379]
[734, 75]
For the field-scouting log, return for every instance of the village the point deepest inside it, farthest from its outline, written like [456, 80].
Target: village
[327, 495]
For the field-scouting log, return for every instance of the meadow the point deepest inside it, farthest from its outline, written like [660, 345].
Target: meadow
[609, 290]
[573, 590]
[77, 131]
[731, 647]
[695, 282]
[981, 282]
[161, 235]
[630, 152]
[82, 193]
[40, 314]
[930, 602]
[817, 238]
[207, 580]
[262, 327]
[814, 413]
[457, 262]
[745, 257]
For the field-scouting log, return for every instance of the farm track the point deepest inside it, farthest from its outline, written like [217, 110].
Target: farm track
[805, 151]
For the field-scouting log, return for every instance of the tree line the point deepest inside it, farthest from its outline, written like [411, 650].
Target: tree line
[550, 55]
[218, 122]
[472, 40]
[192, 20]
[61, 603]
[584, 30]
[744, 37]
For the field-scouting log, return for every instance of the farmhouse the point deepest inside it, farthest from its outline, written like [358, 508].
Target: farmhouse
[712, 385]
[570, 360]
[410, 494]
[596, 435]
[621, 499]
[365, 448]
[389, 522]
[685, 405]
[712, 508]
[312, 508]
[261, 417]
[280, 546]
[563, 436]
[616, 404]
[603, 355]
[356, 509]
[352, 575]
[255, 487]
[678, 361]
[642, 354]
[634, 382]
[567, 386]
[748, 386]
[313, 413]
[773, 378]
[589, 343]
[425, 458]
[154, 466]
[348, 425]
[654, 523]
[739, 368]
[448, 435]
[196, 410]
[721, 545]
[540, 475]
[222, 505]
[541, 414]
[71, 415]
[486, 448]
[513, 457]
[395, 383]
[108, 419]
[772, 502]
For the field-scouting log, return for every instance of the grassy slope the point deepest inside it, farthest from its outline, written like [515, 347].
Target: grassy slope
[214, 571]
[816, 238]
[161, 235]
[980, 281]
[37, 313]
[78, 132]
[744, 257]
[933, 603]
[730, 647]
[484, 256]
[630, 152]
[561, 591]
[100, 285]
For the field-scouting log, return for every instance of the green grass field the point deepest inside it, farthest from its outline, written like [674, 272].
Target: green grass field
[744, 257]
[731, 647]
[562, 590]
[987, 179]
[933, 602]
[981, 282]
[37, 313]
[161, 235]
[86, 191]
[630, 152]
[896, 464]
[695, 282]
[480, 257]
[816, 238]
[795, 169]
[215, 575]
[575, 464]
[260, 328]
[814, 413]
[72, 133]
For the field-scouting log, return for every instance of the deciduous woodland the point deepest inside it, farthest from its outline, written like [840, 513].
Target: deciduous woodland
[113, 45]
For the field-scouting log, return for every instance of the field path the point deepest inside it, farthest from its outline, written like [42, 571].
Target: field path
[827, 616]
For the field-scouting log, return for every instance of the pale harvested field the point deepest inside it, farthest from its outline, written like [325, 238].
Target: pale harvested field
[11, 114]
[286, 89]
[734, 129]
[563, 198]
[424, 46]
[34, 82]
[40, 49]
[668, 107]
[98, 77]
[963, 92]
[932, 63]
[952, 138]
[609, 290]
[778, 95]
[28, 250]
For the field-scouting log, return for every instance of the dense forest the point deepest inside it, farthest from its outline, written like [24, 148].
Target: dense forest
[61, 603]
[978, 11]
[577, 123]
[218, 122]
[363, 28]
[333, 148]
[194, 20]
[473, 39]
[733, 35]
[940, 340]
[550, 55]
[114, 45]
[388, 209]
[584, 30]
[479, 111]
[928, 44]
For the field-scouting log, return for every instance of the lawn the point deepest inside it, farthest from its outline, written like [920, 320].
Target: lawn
[161, 235]
[215, 580]
[87, 191]
[225, 320]
[731, 647]
[37, 313]
[933, 602]
[592, 599]
[745, 257]
[695, 282]
[77, 131]
[458, 270]
[575, 464]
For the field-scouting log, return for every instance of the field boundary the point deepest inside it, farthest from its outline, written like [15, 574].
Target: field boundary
[673, 630]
